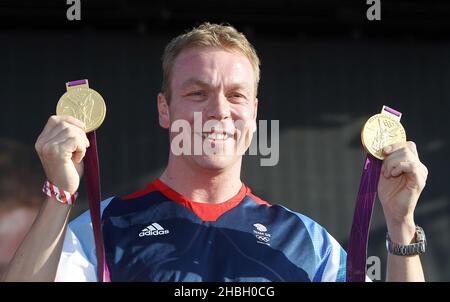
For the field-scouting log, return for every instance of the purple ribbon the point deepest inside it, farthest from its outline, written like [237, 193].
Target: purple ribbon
[92, 182]
[359, 234]
[78, 82]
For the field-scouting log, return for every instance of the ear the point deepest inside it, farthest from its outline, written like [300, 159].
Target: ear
[163, 111]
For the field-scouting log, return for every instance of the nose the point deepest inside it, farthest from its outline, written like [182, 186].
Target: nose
[218, 108]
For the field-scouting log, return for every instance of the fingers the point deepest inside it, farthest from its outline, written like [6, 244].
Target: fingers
[54, 120]
[396, 154]
[63, 138]
[65, 130]
[394, 160]
[61, 148]
[65, 147]
[399, 146]
[76, 148]
[57, 124]
[415, 171]
[403, 159]
[403, 167]
[70, 144]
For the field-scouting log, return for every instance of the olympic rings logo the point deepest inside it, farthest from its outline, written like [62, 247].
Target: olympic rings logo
[262, 238]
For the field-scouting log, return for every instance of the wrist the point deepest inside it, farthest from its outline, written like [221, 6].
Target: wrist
[401, 231]
[415, 248]
[59, 194]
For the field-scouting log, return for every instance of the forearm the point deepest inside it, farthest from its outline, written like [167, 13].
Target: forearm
[38, 256]
[403, 268]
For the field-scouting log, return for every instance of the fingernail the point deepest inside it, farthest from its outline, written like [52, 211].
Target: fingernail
[387, 149]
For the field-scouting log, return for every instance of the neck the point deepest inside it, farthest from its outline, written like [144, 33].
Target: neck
[200, 184]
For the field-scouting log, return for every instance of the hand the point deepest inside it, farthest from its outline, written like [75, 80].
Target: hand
[61, 147]
[402, 180]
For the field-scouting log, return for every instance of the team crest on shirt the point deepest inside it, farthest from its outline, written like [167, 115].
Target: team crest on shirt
[261, 234]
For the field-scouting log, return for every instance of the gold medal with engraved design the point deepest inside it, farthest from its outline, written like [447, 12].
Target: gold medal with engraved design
[83, 103]
[382, 130]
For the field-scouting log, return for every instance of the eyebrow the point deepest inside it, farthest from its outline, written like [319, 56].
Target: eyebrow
[194, 81]
[203, 83]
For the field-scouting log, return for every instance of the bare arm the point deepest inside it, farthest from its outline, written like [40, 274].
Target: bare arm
[61, 147]
[401, 268]
[38, 255]
[404, 269]
[403, 177]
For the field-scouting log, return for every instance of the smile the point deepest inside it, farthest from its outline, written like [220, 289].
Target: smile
[216, 136]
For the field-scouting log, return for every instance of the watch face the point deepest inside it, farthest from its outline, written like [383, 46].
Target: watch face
[420, 234]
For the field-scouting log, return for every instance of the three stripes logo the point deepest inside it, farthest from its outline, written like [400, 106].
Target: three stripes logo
[155, 229]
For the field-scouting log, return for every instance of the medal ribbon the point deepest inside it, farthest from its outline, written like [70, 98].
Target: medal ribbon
[92, 183]
[359, 234]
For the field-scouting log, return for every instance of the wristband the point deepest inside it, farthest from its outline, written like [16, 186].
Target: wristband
[60, 195]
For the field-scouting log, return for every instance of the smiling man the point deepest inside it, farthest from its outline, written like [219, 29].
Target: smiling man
[198, 221]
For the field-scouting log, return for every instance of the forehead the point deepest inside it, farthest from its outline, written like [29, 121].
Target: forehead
[212, 65]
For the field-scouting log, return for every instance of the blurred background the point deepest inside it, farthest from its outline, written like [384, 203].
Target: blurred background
[325, 70]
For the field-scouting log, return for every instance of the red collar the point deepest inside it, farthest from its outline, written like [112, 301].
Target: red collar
[205, 211]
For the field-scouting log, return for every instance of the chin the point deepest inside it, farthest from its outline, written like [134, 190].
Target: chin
[215, 162]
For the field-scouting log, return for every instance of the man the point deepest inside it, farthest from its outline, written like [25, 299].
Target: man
[20, 197]
[198, 221]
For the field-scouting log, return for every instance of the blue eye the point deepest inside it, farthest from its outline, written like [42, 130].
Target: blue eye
[197, 93]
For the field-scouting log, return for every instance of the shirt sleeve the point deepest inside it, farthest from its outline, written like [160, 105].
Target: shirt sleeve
[328, 260]
[332, 267]
[78, 261]
[74, 265]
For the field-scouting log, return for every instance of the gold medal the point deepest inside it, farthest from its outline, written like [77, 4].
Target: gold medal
[382, 130]
[83, 103]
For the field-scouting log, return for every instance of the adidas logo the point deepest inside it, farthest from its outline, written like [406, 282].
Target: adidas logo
[153, 230]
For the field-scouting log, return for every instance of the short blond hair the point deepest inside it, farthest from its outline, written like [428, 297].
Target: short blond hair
[208, 35]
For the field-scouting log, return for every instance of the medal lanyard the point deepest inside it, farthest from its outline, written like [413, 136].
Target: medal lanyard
[92, 183]
[359, 234]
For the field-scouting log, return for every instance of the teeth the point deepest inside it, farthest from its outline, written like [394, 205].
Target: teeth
[220, 136]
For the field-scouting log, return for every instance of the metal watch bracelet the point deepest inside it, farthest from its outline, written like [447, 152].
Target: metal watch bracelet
[416, 248]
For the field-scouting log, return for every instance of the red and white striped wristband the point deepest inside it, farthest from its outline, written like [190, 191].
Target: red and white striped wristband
[60, 195]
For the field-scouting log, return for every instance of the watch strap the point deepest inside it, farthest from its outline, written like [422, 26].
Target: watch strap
[416, 248]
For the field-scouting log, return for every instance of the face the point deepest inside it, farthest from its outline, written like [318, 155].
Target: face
[213, 90]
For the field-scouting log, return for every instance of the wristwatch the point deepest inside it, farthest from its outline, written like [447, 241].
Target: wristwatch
[416, 248]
